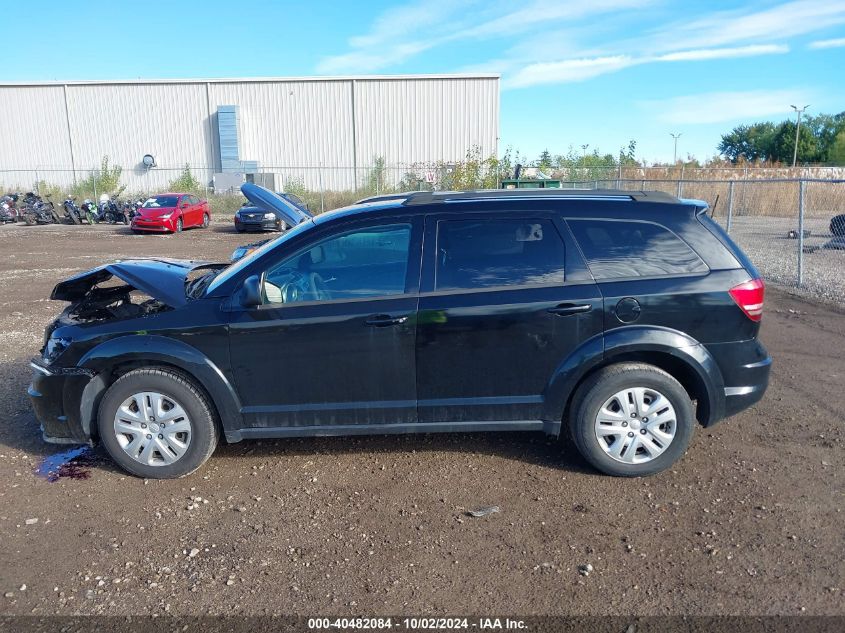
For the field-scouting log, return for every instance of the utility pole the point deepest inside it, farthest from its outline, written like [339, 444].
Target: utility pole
[675, 153]
[800, 111]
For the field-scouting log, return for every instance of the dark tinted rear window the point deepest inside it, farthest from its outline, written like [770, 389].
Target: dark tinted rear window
[489, 253]
[616, 249]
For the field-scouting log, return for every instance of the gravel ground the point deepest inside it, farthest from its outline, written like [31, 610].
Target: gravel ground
[766, 241]
[749, 522]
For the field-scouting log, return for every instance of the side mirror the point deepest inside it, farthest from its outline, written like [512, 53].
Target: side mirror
[250, 294]
[185, 204]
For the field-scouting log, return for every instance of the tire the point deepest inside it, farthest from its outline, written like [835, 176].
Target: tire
[196, 413]
[652, 452]
[205, 221]
[837, 225]
[178, 225]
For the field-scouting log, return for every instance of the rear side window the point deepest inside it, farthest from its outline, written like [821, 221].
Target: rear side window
[617, 249]
[489, 253]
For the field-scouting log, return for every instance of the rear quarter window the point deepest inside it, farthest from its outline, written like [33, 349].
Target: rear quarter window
[617, 249]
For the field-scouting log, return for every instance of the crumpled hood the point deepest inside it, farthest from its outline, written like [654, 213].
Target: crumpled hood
[162, 279]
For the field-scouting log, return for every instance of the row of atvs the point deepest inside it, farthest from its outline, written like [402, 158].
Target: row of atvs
[32, 209]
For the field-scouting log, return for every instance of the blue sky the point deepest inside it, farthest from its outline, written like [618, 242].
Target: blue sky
[598, 72]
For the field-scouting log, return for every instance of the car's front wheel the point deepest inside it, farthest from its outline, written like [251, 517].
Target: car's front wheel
[156, 423]
[631, 419]
[179, 225]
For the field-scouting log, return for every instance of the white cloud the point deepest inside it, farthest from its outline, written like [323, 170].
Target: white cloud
[402, 32]
[820, 44]
[572, 70]
[721, 107]
[723, 53]
[568, 70]
[729, 27]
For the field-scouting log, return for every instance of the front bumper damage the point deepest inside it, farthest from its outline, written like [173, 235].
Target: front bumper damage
[61, 399]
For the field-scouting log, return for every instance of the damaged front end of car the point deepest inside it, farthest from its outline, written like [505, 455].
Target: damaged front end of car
[105, 302]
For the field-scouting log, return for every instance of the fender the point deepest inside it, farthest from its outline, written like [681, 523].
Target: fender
[159, 349]
[601, 349]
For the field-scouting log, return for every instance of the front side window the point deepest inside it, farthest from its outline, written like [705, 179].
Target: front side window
[619, 249]
[357, 264]
[503, 252]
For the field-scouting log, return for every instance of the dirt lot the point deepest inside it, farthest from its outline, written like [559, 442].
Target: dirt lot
[750, 522]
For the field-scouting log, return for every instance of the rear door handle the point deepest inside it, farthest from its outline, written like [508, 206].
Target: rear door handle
[384, 320]
[565, 309]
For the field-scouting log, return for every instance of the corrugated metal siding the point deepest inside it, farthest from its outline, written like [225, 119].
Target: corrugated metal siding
[33, 128]
[298, 129]
[425, 120]
[127, 121]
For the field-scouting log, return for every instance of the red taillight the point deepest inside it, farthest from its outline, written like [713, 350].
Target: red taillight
[749, 297]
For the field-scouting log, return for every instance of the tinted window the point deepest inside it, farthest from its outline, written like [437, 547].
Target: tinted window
[369, 262]
[507, 252]
[633, 249]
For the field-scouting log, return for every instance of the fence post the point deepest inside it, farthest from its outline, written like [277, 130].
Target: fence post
[94, 176]
[322, 201]
[679, 189]
[801, 191]
[730, 205]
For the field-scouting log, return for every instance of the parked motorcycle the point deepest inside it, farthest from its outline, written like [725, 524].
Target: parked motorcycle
[9, 212]
[108, 211]
[89, 211]
[36, 211]
[72, 213]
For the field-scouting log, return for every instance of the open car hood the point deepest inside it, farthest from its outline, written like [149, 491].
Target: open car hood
[162, 279]
[266, 199]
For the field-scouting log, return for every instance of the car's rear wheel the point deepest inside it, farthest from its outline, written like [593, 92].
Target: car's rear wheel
[156, 423]
[631, 419]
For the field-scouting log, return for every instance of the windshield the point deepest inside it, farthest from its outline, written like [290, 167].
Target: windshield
[159, 202]
[246, 260]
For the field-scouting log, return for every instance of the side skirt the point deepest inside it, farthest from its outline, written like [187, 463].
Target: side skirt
[551, 428]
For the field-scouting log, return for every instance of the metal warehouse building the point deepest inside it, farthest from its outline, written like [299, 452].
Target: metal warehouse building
[323, 132]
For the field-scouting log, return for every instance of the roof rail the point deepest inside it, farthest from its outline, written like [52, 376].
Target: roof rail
[440, 197]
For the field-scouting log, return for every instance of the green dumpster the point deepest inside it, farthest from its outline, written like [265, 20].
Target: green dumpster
[524, 183]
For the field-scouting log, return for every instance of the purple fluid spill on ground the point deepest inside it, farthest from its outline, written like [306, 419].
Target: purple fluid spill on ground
[71, 464]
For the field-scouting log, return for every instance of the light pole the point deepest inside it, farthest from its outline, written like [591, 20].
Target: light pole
[584, 154]
[800, 111]
[675, 153]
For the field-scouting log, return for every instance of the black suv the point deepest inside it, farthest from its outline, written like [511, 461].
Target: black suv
[623, 318]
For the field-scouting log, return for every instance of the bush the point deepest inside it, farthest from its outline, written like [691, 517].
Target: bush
[104, 180]
[186, 183]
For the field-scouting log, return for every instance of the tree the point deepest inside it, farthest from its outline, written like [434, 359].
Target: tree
[836, 155]
[749, 142]
[545, 160]
[782, 145]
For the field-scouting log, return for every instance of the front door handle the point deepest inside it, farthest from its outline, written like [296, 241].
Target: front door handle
[384, 320]
[565, 309]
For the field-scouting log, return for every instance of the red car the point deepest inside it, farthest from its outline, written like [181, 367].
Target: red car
[171, 212]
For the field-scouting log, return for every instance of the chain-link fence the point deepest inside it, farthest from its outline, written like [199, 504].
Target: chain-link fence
[790, 227]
